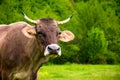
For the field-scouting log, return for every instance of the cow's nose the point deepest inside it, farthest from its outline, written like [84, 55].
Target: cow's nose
[53, 49]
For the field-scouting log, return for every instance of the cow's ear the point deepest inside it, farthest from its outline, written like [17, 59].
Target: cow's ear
[29, 32]
[66, 36]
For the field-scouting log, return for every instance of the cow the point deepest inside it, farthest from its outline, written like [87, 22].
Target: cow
[24, 48]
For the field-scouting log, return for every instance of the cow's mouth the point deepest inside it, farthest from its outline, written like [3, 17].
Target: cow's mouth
[52, 49]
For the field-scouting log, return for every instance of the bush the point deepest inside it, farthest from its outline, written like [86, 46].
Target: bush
[111, 57]
[94, 44]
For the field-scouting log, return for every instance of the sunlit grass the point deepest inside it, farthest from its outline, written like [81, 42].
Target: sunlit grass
[79, 72]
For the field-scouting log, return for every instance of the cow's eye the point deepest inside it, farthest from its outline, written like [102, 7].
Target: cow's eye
[41, 33]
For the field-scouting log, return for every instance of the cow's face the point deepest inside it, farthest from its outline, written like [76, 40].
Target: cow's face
[48, 33]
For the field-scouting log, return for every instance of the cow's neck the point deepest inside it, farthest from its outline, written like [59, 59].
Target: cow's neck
[34, 63]
[37, 58]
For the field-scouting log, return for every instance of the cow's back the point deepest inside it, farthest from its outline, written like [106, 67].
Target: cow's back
[3, 31]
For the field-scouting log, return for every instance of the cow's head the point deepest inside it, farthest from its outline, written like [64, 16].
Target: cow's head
[48, 33]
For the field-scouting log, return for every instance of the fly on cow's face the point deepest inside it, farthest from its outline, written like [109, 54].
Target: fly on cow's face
[58, 33]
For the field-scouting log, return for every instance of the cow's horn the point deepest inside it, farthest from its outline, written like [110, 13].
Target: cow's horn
[65, 21]
[27, 18]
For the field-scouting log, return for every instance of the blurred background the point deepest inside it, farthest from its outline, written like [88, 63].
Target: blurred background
[96, 25]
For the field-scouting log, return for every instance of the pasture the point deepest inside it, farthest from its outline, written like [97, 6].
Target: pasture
[79, 72]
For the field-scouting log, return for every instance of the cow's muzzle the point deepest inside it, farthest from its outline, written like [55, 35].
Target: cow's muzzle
[52, 49]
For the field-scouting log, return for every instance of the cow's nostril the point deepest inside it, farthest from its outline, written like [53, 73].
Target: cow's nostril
[50, 48]
[58, 49]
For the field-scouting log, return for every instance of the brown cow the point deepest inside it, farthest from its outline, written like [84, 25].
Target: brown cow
[24, 48]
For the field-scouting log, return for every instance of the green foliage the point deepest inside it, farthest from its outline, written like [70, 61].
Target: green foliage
[96, 25]
[111, 57]
[96, 40]
[94, 44]
[100, 14]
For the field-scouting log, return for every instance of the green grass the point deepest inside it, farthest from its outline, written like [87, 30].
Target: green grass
[79, 72]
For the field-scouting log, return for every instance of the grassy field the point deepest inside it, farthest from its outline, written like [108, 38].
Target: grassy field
[79, 72]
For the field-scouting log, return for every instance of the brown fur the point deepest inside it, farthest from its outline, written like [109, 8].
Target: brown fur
[19, 54]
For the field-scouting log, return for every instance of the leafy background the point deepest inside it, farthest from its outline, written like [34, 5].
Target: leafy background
[96, 25]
